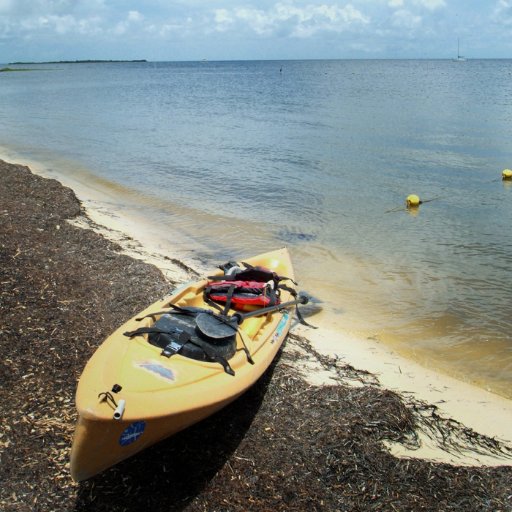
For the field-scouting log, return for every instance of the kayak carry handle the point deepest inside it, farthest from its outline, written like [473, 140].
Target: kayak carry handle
[118, 413]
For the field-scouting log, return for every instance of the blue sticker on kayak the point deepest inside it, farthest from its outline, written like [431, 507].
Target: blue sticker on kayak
[281, 326]
[132, 433]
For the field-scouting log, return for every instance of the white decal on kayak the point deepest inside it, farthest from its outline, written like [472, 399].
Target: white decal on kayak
[132, 433]
[157, 368]
[280, 326]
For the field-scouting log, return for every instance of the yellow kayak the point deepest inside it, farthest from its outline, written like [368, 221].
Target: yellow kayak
[171, 366]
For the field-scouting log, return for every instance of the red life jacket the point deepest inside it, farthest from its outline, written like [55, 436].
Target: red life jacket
[241, 295]
[245, 288]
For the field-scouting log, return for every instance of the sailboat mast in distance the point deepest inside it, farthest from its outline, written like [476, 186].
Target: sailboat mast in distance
[460, 58]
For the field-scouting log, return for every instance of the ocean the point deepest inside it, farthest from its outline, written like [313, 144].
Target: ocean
[223, 160]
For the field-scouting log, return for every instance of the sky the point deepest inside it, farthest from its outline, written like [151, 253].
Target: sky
[159, 30]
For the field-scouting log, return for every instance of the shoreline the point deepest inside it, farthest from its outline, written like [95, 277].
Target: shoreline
[484, 412]
[286, 445]
[200, 240]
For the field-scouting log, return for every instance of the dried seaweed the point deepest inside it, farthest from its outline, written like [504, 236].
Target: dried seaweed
[447, 433]
[454, 437]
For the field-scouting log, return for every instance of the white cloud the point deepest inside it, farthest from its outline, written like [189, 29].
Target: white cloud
[431, 5]
[405, 19]
[297, 21]
[33, 19]
[223, 19]
[41, 8]
[132, 18]
[61, 24]
[170, 28]
[135, 16]
[502, 13]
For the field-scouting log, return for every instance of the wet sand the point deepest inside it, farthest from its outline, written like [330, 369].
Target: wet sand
[314, 434]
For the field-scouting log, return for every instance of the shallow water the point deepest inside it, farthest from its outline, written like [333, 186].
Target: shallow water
[227, 159]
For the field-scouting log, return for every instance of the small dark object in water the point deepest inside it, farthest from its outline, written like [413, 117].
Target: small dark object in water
[294, 237]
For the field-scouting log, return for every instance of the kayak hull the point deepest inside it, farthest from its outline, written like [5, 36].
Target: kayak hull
[154, 396]
[99, 445]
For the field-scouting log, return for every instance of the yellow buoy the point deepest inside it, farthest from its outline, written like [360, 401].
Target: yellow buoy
[507, 174]
[412, 201]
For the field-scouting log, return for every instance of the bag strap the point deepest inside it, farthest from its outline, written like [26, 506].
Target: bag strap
[222, 310]
[184, 310]
[215, 357]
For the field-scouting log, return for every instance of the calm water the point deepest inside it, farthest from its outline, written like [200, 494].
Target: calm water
[232, 158]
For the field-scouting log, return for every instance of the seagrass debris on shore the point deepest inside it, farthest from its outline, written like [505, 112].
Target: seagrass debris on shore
[284, 445]
[448, 434]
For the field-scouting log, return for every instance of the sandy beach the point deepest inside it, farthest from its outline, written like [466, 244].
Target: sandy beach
[338, 423]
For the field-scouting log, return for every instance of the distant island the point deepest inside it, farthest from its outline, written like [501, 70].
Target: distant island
[90, 61]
